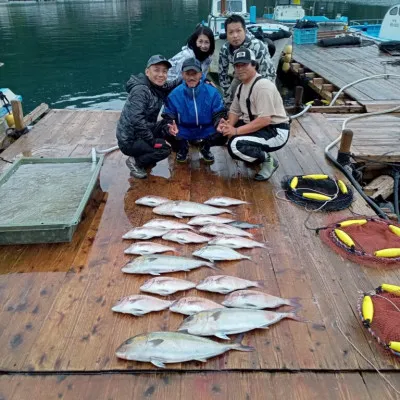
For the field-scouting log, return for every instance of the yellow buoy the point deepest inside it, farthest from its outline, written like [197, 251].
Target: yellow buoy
[390, 288]
[395, 229]
[288, 49]
[342, 186]
[315, 176]
[316, 196]
[395, 346]
[287, 57]
[10, 120]
[344, 238]
[367, 309]
[294, 182]
[285, 67]
[388, 253]
[352, 222]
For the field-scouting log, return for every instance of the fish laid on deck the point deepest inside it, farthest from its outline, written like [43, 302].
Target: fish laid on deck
[225, 284]
[145, 248]
[145, 233]
[151, 201]
[257, 300]
[167, 224]
[228, 321]
[164, 286]
[219, 253]
[209, 219]
[161, 348]
[161, 264]
[193, 305]
[223, 229]
[221, 201]
[182, 209]
[140, 304]
[184, 237]
[235, 242]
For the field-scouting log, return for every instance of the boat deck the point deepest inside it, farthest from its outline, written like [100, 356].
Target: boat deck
[343, 65]
[58, 334]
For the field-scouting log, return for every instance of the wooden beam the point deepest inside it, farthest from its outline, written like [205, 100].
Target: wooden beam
[36, 113]
[18, 115]
[381, 186]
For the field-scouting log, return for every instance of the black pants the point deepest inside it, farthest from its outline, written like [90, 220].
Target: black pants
[147, 154]
[178, 144]
[252, 147]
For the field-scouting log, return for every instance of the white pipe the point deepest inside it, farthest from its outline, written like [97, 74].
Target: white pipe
[301, 112]
[106, 151]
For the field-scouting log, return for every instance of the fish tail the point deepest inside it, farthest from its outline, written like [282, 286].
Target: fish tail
[247, 258]
[229, 211]
[238, 345]
[293, 315]
[260, 284]
[294, 302]
[212, 266]
[258, 225]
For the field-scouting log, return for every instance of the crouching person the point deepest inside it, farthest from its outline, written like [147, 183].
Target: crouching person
[193, 111]
[139, 135]
[257, 124]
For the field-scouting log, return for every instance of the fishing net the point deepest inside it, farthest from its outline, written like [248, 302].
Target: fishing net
[370, 241]
[317, 192]
[379, 311]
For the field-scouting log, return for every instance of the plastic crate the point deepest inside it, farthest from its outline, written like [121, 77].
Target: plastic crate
[305, 36]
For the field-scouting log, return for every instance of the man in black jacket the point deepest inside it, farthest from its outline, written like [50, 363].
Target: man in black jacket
[139, 134]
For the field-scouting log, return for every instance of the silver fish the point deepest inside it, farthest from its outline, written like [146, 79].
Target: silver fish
[222, 201]
[139, 304]
[209, 219]
[151, 201]
[144, 248]
[257, 300]
[223, 229]
[184, 237]
[144, 233]
[160, 348]
[244, 225]
[182, 209]
[164, 286]
[161, 264]
[225, 284]
[167, 224]
[193, 305]
[235, 242]
[219, 253]
[228, 321]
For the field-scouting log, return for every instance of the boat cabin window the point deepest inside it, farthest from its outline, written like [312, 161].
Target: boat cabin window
[393, 11]
[231, 6]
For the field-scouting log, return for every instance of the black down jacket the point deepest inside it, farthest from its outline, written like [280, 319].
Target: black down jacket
[139, 115]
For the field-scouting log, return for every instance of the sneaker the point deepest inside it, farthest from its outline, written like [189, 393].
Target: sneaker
[208, 157]
[181, 156]
[268, 167]
[136, 171]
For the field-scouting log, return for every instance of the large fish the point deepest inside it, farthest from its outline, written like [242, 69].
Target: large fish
[209, 219]
[161, 264]
[223, 229]
[219, 253]
[228, 321]
[139, 304]
[160, 348]
[151, 201]
[145, 248]
[225, 284]
[193, 305]
[222, 201]
[144, 233]
[182, 209]
[257, 300]
[164, 286]
[184, 237]
[235, 242]
[167, 224]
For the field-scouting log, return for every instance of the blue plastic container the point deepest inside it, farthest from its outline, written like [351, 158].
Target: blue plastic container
[253, 14]
[305, 36]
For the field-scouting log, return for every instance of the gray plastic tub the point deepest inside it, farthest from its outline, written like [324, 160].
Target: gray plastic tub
[42, 199]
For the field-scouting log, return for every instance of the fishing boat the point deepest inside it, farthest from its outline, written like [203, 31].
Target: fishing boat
[382, 31]
[222, 9]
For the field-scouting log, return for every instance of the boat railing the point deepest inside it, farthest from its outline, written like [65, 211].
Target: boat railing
[365, 22]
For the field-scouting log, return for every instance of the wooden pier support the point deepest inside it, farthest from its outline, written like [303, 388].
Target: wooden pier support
[18, 114]
[343, 157]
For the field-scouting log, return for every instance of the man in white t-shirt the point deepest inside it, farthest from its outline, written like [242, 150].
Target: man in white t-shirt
[257, 123]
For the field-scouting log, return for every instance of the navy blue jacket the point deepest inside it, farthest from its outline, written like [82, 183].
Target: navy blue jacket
[197, 111]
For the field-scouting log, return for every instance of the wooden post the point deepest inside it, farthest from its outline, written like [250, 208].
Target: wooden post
[343, 157]
[298, 97]
[18, 115]
[223, 6]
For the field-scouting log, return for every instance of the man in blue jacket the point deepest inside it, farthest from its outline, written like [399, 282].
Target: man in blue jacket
[193, 111]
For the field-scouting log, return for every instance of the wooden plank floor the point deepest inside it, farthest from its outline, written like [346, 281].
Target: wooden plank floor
[343, 65]
[375, 137]
[55, 312]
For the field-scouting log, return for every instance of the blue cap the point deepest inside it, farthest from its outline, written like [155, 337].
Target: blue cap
[158, 59]
[191, 64]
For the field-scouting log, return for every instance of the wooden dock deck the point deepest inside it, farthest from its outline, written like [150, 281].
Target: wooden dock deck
[59, 335]
[342, 65]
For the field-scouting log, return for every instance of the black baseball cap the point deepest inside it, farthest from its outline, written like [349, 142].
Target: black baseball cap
[191, 63]
[243, 56]
[158, 59]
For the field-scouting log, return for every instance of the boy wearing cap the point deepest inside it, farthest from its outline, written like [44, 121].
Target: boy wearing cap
[257, 124]
[193, 111]
[138, 133]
